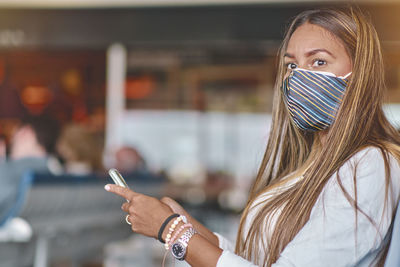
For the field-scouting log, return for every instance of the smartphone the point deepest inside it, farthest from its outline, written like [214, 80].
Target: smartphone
[117, 178]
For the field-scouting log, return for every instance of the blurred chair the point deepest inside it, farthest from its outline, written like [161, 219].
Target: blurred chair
[71, 214]
[393, 256]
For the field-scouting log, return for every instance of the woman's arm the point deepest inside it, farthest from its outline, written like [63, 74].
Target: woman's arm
[200, 228]
[201, 250]
[146, 215]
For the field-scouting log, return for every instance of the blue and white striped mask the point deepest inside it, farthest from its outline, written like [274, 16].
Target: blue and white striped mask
[313, 97]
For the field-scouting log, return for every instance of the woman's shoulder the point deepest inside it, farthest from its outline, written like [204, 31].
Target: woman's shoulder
[364, 176]
[372, 157]
[369, 167]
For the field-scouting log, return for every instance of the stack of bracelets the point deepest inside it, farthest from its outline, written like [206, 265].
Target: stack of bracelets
[177, 246]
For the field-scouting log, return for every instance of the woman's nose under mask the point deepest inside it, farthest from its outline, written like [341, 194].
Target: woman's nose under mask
[313, 97]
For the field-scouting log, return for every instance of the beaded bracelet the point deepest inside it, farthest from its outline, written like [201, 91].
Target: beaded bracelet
[161, 230]
[172, 227]
[171, 241]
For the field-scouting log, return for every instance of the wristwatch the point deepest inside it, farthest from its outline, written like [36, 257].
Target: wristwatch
[178, 249]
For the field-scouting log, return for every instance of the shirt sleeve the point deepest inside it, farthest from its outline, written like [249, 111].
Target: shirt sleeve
[229, 259]
[224, 243]
[332, 236]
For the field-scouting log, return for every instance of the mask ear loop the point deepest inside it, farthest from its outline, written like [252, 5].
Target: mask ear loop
[347, 75]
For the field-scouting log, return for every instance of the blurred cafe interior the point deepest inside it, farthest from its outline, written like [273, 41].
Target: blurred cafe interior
[176, 94]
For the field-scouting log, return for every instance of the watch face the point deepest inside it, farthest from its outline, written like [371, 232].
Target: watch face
[178, 250]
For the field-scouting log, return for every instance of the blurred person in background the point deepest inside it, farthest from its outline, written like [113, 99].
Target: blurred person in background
[329, 184]
[31, 149]
[128, 159]
[79, 150]
[3, 148]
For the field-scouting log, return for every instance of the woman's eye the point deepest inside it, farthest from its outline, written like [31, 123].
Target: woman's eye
[291, 66]
[318, 63]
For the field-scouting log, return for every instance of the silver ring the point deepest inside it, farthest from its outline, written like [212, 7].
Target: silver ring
[127, 220]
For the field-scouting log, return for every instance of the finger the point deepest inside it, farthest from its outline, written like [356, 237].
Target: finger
[119, 190]
[125, 207]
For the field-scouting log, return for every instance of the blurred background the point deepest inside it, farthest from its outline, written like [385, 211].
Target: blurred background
[176, 94]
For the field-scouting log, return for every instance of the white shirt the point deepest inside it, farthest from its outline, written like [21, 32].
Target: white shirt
[329, 238]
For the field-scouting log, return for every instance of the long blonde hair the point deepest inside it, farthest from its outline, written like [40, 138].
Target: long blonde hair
[360, 122]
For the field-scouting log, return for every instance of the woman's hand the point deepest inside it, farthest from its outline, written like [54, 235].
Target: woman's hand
[146, 214]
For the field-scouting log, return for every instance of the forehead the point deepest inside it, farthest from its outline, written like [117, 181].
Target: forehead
[309, 36]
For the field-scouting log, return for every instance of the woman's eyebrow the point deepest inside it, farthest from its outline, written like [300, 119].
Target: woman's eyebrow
[318, 50]
[288, 55]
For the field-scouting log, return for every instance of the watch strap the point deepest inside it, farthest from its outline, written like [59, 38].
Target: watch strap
[184, 239]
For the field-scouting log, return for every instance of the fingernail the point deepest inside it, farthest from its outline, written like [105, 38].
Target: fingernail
[107, 187]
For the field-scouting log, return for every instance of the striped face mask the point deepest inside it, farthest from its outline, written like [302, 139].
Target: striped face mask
[313, 97]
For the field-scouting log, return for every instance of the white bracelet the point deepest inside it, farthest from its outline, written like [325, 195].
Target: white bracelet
[172, 228]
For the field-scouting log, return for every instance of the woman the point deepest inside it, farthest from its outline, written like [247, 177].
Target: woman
[329, 182]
